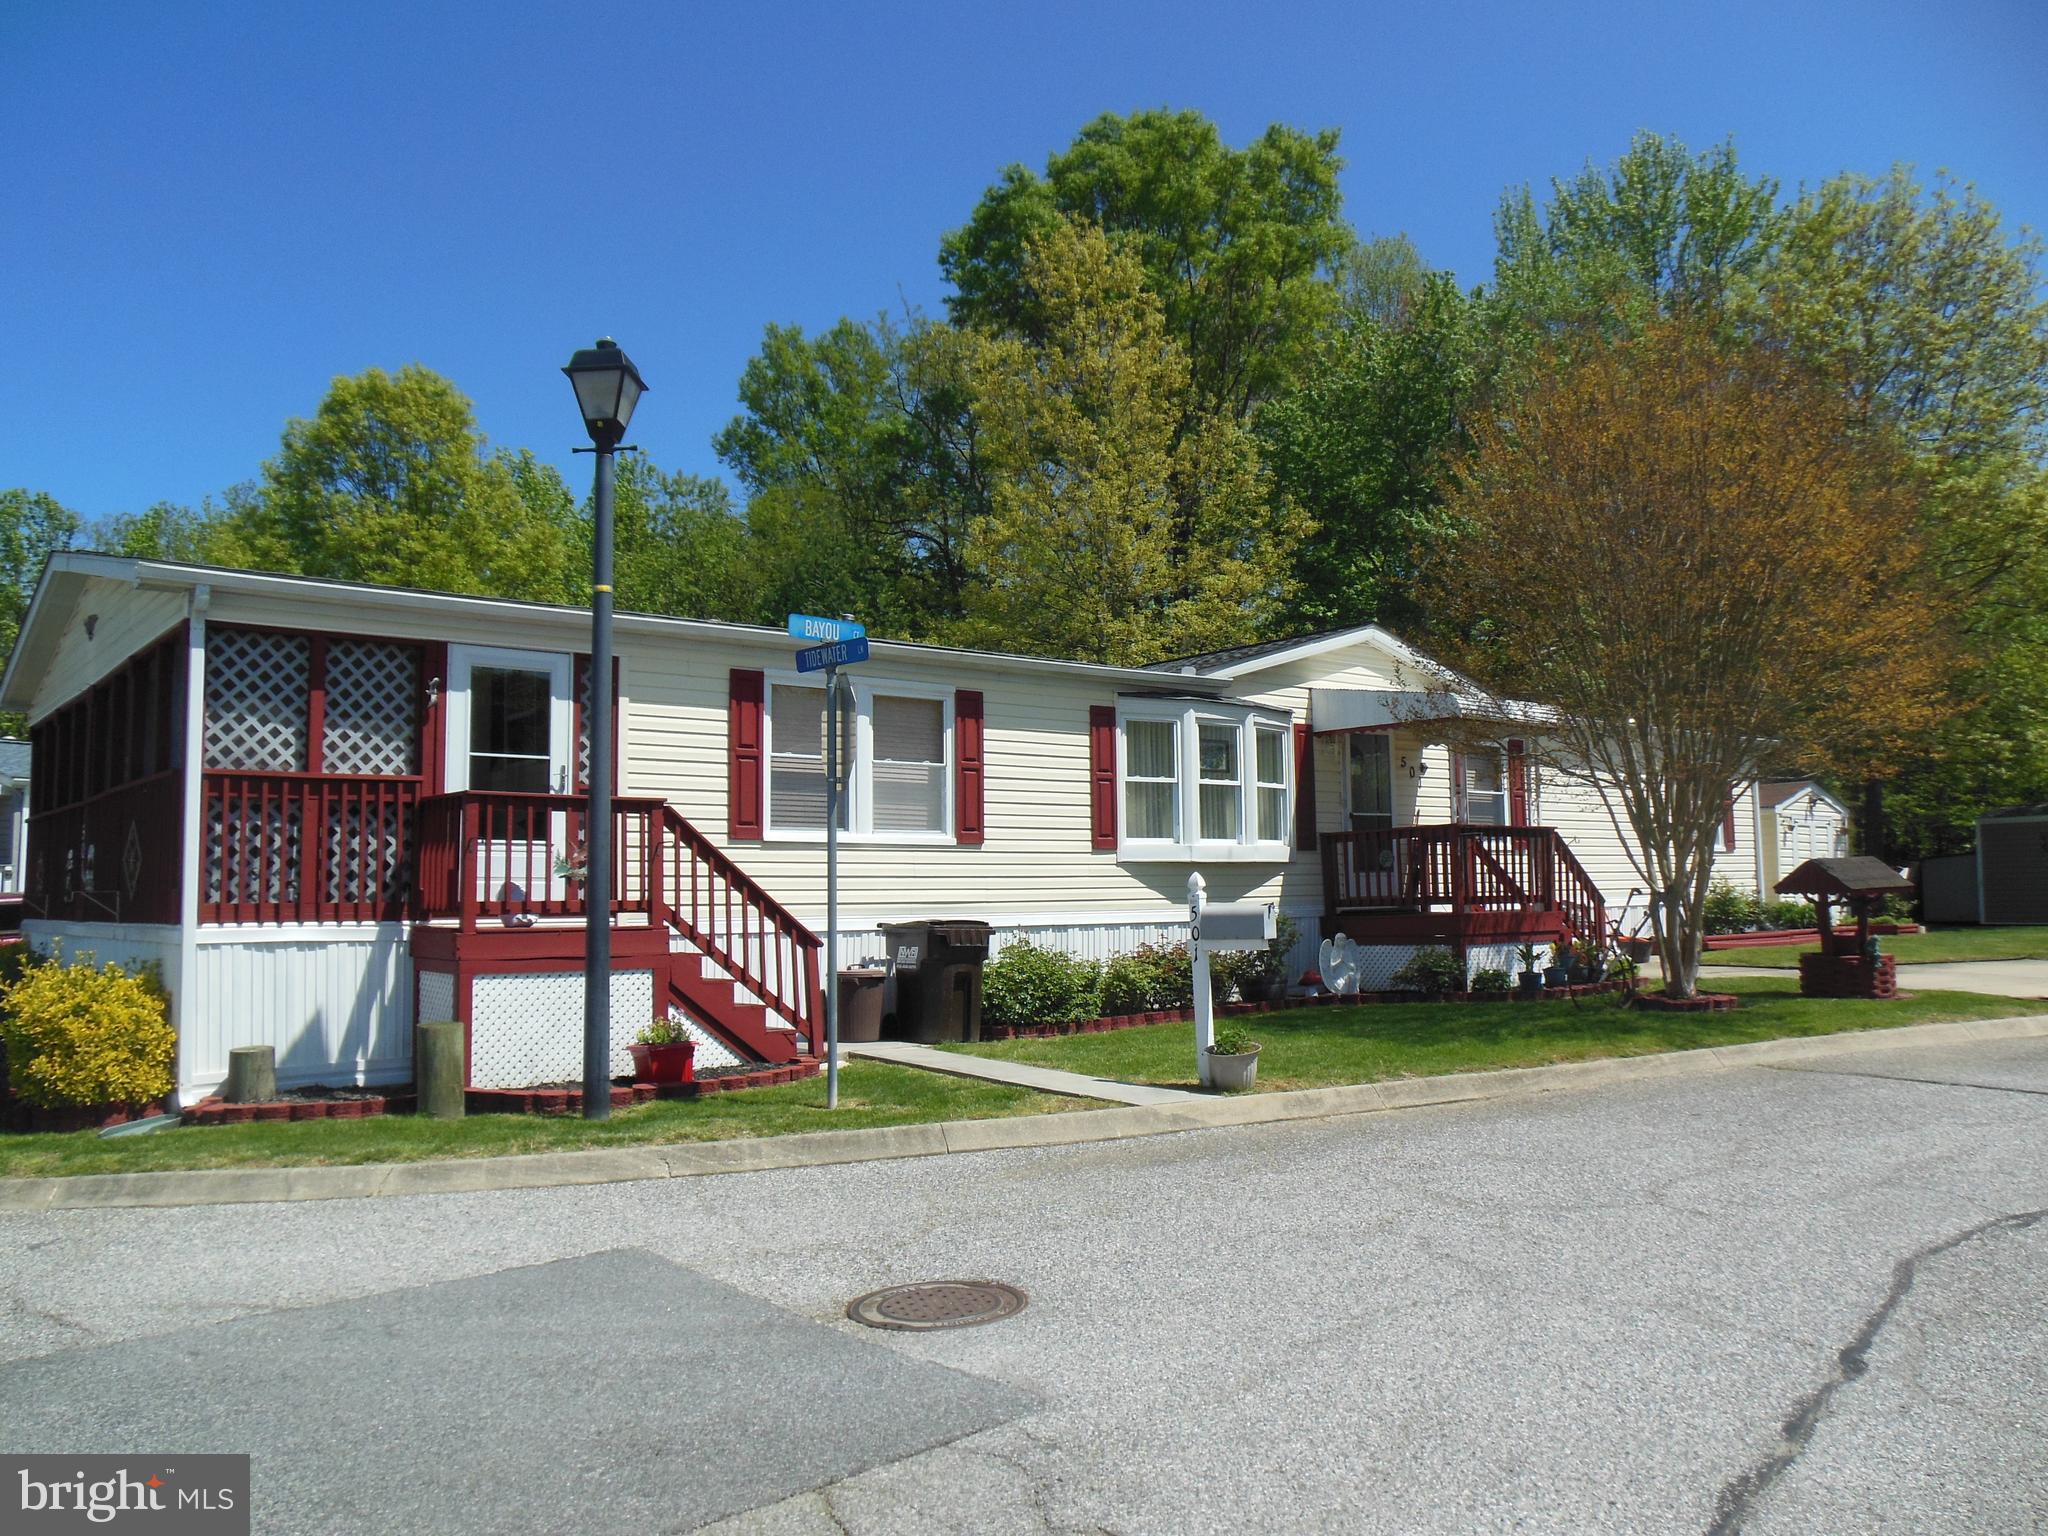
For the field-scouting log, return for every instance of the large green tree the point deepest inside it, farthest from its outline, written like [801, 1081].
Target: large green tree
[1928, 315]
[1116, 532]
[1663, 229]
[863, 465]
[33, 526]
[1237, 245]
[389, 482]
[678, 547]
[1360, 445]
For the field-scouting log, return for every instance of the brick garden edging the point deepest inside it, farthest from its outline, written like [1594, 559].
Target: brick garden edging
[213, 1110]
[1703, 1002]
[1324, 1000]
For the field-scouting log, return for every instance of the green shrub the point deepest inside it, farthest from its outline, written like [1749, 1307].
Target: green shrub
[1730, 910]
[1126, 986]
[1233, 1042]
[1896, 908]
[77, 1035]
[1029, 985]
[1431, 969]
[1787, 914]
[1489, 978]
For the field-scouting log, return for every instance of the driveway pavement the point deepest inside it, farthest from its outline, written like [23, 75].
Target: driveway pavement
[1783, 1299]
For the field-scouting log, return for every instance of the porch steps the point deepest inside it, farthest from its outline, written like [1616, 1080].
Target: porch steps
[713, 1000]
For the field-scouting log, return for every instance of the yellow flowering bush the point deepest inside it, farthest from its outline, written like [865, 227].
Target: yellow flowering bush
[77, 1035]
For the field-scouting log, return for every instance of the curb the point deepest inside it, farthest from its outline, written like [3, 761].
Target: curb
[817, 1149]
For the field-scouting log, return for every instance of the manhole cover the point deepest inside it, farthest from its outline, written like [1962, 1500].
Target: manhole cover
[937, 1304]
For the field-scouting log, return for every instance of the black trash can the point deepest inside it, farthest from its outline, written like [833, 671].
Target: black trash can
[936, 970]
[860, 1003]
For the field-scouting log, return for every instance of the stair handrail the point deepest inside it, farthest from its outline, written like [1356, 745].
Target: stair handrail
[801, 1012]
[1579, 894]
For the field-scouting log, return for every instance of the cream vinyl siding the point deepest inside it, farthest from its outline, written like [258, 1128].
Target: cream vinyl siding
[126, 620]
[1739, 866]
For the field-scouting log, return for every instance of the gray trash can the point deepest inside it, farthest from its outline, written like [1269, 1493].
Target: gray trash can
[935, 969]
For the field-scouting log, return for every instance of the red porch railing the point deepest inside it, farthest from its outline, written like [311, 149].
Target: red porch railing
[484, 857]
[304, 847]
[1461, 868]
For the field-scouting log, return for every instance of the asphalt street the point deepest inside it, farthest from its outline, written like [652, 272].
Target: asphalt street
[1783, 1299]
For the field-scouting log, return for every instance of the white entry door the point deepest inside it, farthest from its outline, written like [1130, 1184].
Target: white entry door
[511, 726]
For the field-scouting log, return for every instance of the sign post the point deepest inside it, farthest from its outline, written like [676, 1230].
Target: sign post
[841, 642]
[1205, 1003]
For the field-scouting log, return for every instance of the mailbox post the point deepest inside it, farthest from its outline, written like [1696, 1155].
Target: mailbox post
[1223, 928]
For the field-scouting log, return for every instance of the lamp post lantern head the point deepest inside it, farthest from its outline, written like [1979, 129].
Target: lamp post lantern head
[608, 386]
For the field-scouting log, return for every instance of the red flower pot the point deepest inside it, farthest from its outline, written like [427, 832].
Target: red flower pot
[665, 1063]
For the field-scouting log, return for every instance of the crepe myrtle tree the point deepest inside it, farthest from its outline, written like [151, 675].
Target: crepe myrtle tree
[1679, 548]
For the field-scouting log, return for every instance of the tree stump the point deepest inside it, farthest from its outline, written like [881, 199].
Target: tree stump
[438, 1069]
[252, 1075]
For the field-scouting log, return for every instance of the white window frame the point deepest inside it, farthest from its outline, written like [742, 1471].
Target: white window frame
[859, 827]
[1505, 793]
[1188, 846]
[1258, 786]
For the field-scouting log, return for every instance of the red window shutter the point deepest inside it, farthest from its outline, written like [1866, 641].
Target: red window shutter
[969, 733]
[1102, 774]
[1304, 787]
[1518, 784]
[1728, 822]
[1458, 787]
[745, 772]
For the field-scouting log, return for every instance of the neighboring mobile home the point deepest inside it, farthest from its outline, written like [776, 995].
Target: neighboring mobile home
[327, 809]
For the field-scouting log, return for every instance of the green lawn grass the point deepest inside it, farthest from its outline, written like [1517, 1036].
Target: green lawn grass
[870, 1094]
[1936, 944]
[1321, 1047]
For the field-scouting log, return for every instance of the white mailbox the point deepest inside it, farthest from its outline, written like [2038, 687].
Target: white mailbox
[1233, 926]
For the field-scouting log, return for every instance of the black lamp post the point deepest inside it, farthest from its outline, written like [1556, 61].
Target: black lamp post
[608, 386]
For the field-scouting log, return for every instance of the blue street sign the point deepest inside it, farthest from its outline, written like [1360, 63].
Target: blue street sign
[844, 654]
[808, 626]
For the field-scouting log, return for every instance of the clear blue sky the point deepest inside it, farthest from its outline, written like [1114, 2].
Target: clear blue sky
[209, 210]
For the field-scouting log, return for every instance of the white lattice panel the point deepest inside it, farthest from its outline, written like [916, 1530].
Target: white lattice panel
[711, 1051]
[372, 708]
[528, 1029]
[257, 687]
[362, 852]
[252, 852]
[583, 670]
[437, 997]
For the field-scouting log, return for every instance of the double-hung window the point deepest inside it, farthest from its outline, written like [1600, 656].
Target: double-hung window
[1152, 780]
[896, 756]
[1204, 780]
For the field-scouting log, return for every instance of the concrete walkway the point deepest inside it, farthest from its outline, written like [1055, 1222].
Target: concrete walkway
[1077, 1085]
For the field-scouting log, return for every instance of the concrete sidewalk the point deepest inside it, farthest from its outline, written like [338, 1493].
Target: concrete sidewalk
[1075, 1085]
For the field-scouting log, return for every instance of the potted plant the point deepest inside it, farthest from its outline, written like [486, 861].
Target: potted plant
[1559, 972]
[1490, 983]
[574, 864]
[1530, 981]
[664, 1053]
[1588, 959]
[1233, 1061]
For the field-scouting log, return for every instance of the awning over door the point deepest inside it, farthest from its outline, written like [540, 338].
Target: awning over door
[1334, 711]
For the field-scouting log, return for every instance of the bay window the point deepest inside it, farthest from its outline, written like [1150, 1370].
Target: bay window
[1204, 781]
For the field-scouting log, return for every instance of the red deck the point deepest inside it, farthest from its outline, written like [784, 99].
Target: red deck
[1457, 885]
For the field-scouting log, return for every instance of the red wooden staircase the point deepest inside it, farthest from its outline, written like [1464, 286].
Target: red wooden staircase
[1458, 884]
[724, 951]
